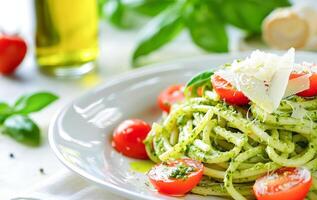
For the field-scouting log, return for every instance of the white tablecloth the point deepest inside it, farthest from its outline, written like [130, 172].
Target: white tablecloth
[65, 185]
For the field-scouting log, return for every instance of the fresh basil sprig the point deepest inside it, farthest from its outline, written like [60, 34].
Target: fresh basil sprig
[5, 111]
[33, 102]
[22, 129]
[161, 30]
[125, 14]
[206, 26]
[205, 20]
[14, 120]
[149, 7]
[249, 14]
[202, 79]
[115, 12]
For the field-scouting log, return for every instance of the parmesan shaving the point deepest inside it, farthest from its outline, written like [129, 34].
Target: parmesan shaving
[298, 112]
[259, 65]
[297, 85]
[305, 67]
[263, 77]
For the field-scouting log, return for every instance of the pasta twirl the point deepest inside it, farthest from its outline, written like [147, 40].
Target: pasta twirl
[236, 144]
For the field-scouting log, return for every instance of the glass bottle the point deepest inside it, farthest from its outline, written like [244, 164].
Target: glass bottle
[66, 36]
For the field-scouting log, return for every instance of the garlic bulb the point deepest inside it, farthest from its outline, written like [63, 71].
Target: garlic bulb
[291, 27]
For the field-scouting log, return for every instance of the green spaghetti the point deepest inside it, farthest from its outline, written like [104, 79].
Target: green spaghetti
[236, 144]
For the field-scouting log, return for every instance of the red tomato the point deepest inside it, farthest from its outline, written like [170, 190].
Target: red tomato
[176, 177]
[128, 138]
[169, 96]
[286, 183]
[12, 52]
[227, 92]
[200, 91]
[312, 91]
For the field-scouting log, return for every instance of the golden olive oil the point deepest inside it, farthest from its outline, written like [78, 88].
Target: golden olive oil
[141, 166]
[66, 35]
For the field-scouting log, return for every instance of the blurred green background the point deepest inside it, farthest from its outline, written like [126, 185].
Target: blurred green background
[161, 21]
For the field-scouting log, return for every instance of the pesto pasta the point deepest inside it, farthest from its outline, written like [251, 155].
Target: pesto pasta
[236, 144]
[251, 123]
[246, 130]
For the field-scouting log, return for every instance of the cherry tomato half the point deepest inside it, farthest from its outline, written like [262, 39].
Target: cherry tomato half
[128, 138]
[286, 183]
[176, 177]
[312, 91]
[169, 96]
[227, 92]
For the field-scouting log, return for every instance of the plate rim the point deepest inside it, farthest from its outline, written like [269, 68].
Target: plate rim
[152, 68]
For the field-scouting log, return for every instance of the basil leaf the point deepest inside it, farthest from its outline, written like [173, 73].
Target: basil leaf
[5, 111]
[22, 129]
[249, 14]
[115, 12]
[126, 14]
[200, 78]
[159, 31]
[33, 102]
[101, 4]
[206, 27]
[4, 107]
[149, 7]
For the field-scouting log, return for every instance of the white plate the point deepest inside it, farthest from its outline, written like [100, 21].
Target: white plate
[80, 134]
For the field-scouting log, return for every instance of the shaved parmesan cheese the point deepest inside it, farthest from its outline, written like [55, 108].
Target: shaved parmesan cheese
[305, 67]
[259, 65]
[298, 111]
[297, 85]
[263, 77]
[257, 92]
[253, 88]
[280, 78]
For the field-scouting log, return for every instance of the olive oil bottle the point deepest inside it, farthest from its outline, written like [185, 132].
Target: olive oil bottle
[66, 36]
